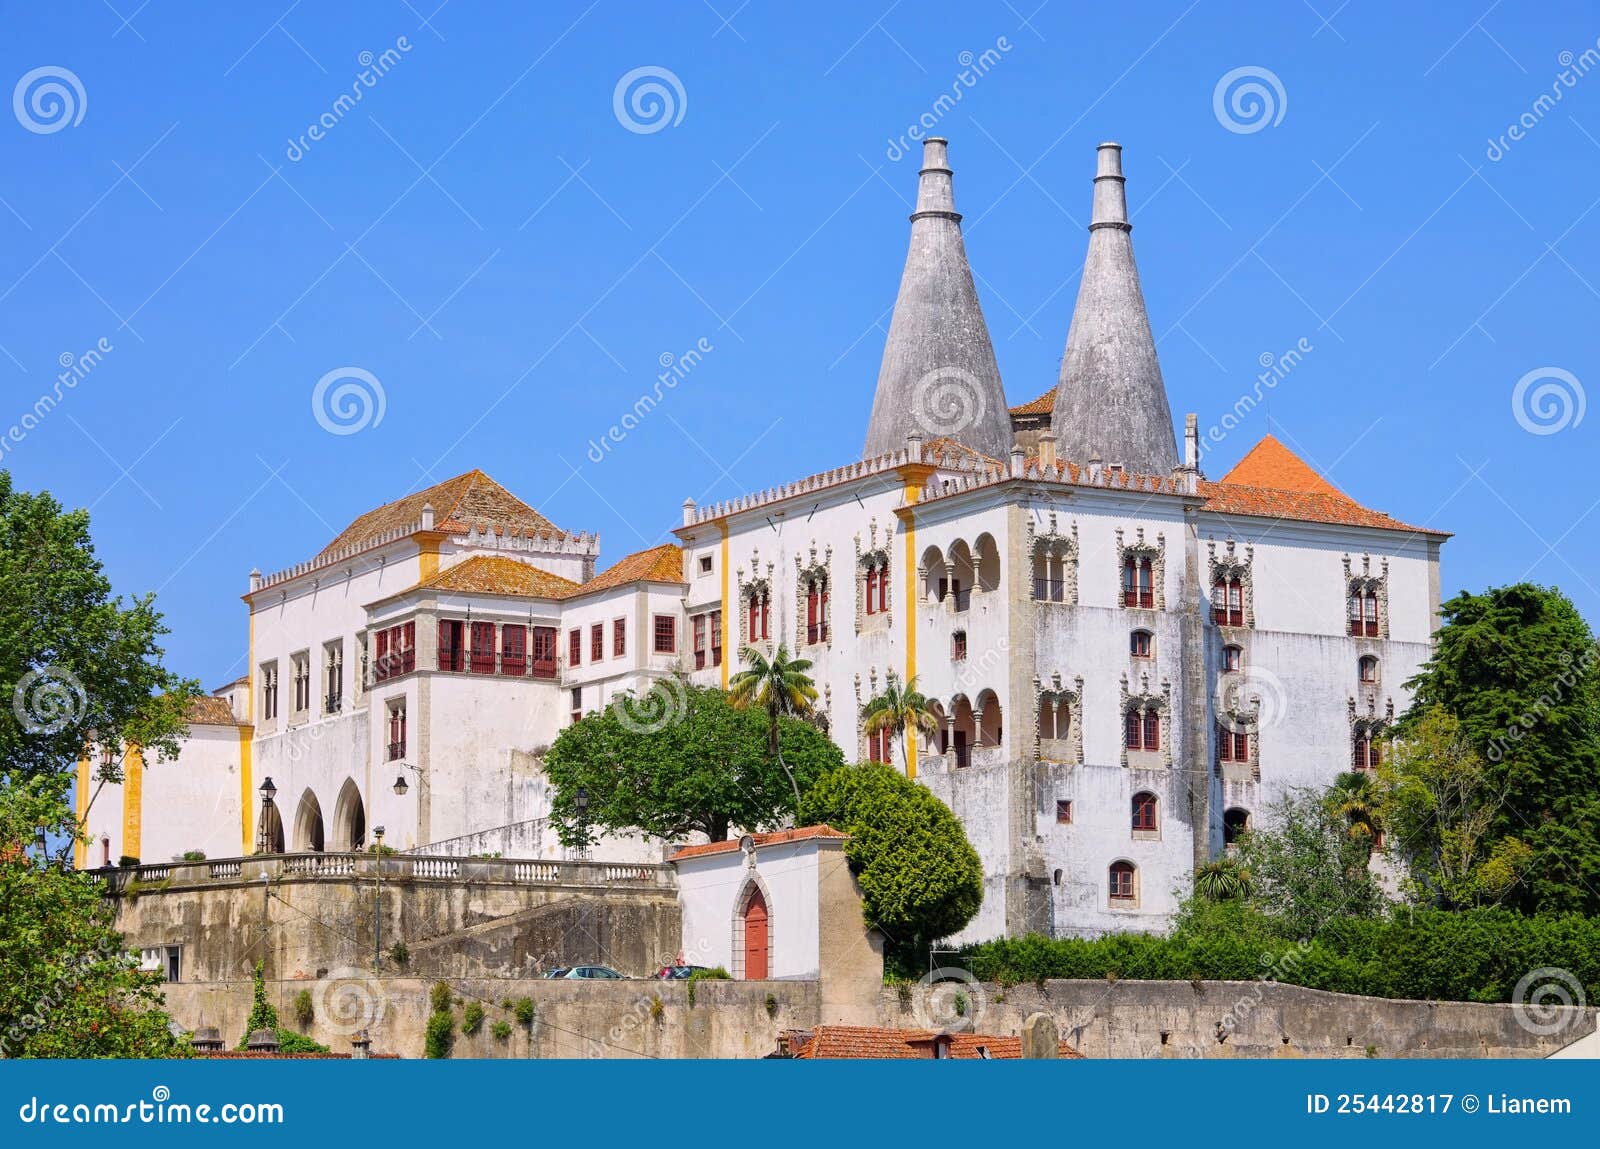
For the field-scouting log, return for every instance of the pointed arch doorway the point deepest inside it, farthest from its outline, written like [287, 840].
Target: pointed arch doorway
[757, 936]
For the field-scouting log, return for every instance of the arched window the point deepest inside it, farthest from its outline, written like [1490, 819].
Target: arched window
[817, 609]
[1141, 644]
[1234, 823]
[880, 745]
[1363, 602]
[1232, 658]
[1365, 749]
[1227, 601]
[1055, 717]
[1144, 812]
[1233, 743]
[1138, 582]
[1367, 668]
[758, 614]
[1142, 729]
[1121, 882]
[958, 646]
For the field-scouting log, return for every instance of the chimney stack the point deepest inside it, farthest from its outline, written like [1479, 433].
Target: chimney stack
[688, 512]
[1047, 453]
[1191, 442]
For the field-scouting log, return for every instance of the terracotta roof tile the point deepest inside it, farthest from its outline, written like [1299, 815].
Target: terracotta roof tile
[801, 834]
[1043, 405]
[1270, 464]
[472, 499]
[658, 564]
[209, 710]
[827, 1042]
[495, 574]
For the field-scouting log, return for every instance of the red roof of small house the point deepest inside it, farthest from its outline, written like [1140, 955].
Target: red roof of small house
[802, 834]
[864, 1042]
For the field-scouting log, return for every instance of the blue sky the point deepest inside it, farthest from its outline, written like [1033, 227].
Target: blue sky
[486, 237]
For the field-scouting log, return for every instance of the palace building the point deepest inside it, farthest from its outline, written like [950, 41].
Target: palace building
[1130, 660]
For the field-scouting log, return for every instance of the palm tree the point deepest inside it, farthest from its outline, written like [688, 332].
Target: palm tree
[903, 710]
[1354, 798]
[1222, 880]
[781, 687]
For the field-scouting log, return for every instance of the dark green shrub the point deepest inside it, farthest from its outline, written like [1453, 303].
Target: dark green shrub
[439, 997]
[523, 1009]
[440, 1036]
[501, 1030]
[304, 1012]
[472, 1018]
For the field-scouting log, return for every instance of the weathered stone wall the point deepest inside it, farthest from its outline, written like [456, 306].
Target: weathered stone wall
[1176, 1019]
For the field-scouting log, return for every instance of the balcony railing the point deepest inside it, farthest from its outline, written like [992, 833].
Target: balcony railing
[416, 867]
[331, 703]
[1049, 589]
[397, 750]
[963, 600]
[816, 632]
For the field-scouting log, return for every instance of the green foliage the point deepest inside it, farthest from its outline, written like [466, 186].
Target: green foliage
[304, 1012]
[920, 877]
[400, 954]
[264, 1015]
[501, 1030]
[439, 996]
[1304, 865]
[782, 687]
[1435, 796]
[95, 661]
[710, 769]
[192, 856]
[771, 1005]
[902, 709]
[291, 1042]
[68, 986]
[1517, 667]
[658, 1008]
[717, 973]
[1426, 954]
[1222, 879]
[440, 1036]
[523, 1010]
[472, 1018]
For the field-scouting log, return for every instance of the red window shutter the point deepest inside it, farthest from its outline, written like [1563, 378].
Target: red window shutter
[872, 590]
[1152, 730]
[754, 618]
[619, 637]
[1131, 730]
[447, 645]
[513, 650]
[1146, 593]
[408, 647]
[574, 646]
[1130, 593]
[380, 666]
[1219, 603]
[716, 638]
[1241, 746]
[544, 652]
[1235, 603]
[483, 648]
[766, 608]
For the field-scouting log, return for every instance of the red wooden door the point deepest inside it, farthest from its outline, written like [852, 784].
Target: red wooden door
[755, 937]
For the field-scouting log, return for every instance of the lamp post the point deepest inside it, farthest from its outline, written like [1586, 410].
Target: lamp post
[268, 792]
[400, 786]
[377, 900]
[581, 800]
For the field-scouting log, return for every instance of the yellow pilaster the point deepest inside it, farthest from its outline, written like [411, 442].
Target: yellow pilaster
[728, 653]
[133, 803]
[427, 559]
[80, 848]
[908, 583]
[246, 790]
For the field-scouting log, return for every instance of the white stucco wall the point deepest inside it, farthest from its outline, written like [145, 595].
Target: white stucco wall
[711, 888]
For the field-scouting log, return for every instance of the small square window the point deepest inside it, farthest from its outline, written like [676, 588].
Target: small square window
[1063, 812]
[705, 564]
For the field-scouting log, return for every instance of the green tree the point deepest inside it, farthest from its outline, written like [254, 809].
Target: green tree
[779, 685]
[1436, 796]
[74, 660]
[699, 764]
[920, 877]
[68, 985]
[902, 709]
[1354, 798]
[1518, 668]
[1305, 866]
[1222, 879]
[264, 1015]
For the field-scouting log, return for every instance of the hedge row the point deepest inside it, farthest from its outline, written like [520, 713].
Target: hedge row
[1475, 955]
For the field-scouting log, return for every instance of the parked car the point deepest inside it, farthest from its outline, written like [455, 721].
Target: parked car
[558, 972]
[591, 973]
[677, 972]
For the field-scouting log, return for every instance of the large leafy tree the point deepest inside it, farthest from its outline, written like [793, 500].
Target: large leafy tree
[74, 659]
[679, 760]
[902, 709]
[1440, 806]
[1306, 867]
[1517, 667]
[68, 985]
[920, 878]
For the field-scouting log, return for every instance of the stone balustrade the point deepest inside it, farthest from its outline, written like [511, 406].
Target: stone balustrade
[394, 867]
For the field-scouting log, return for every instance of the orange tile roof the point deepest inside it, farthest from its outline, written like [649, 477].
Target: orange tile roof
[209, 710]
[472, 499]
[1043, 405]
[828, 1042]
[658, 564]
[495, 574]
[801, 834]
[1270, 464]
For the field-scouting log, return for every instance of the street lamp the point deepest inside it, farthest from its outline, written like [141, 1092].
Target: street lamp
[400, 786]
[377, 899]
[268, 792]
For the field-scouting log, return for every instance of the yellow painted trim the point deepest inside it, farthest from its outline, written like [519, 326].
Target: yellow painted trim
[728, 652]
[80, 848]
[250, 671]
[246, 788]
[427, 559]
[913, 491]
[133, 803]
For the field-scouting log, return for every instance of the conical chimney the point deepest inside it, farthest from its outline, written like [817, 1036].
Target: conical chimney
[939, 377]
[1110, 401]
